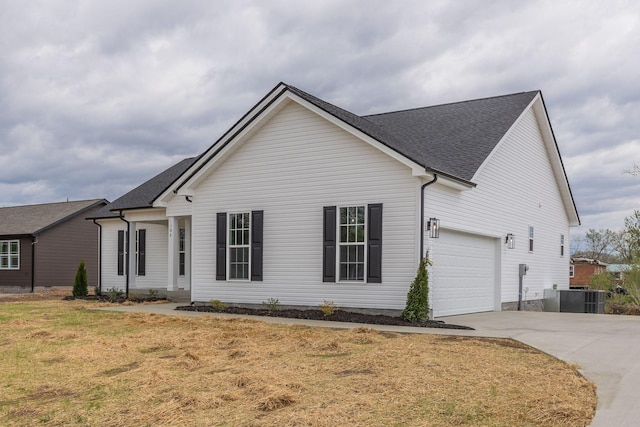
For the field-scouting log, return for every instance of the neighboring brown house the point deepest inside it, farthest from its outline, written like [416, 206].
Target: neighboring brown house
[41, 245]
[581, 270]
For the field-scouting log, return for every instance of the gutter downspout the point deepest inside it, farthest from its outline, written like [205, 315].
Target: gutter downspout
[126, 289]
[99, 255]
[425, 185]
[33, 263]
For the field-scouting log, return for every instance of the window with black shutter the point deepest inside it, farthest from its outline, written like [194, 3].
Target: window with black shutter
[121, 252]
[352, 243]
[239, 246]
[141, 251]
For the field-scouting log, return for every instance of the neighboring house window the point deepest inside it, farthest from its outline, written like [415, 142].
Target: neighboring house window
[122, 253]
[352, 242]
[562, 245]
[571, 271]
[239, 246]
[530, 239]
[9, 255]
[181, 253]
[141, 252]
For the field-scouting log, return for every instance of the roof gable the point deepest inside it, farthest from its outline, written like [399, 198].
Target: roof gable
[145, 194]
[454, 138]
[34, 219]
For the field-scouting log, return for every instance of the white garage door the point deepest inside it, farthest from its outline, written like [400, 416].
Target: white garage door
[464, 274]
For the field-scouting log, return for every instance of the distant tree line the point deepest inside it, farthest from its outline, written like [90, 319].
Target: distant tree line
[612, 247]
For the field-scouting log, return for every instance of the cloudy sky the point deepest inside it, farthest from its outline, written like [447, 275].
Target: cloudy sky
[98, 96]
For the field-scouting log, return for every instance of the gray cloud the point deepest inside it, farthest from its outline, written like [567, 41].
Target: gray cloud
[96, 97]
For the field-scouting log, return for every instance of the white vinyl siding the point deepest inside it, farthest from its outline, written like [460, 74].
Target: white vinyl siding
[291, 168]
[109, 268]
[515, 189]
[156, 258]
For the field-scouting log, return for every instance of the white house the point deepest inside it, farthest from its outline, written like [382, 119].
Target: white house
[305, 202]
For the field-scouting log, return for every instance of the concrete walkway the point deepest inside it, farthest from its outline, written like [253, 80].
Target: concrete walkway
[607, 348]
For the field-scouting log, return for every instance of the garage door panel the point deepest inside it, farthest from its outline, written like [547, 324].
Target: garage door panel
[464, 276]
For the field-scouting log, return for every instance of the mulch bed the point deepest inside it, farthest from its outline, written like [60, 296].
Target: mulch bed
[311, 314]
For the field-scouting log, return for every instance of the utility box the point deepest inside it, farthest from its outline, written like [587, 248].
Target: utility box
[551, 300]
[582, 301]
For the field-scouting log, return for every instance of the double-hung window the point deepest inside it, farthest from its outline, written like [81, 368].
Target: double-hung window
[9, 254]
[562, 245]
[352, 243]
[239, 244]
[181, 253]
[530, 239]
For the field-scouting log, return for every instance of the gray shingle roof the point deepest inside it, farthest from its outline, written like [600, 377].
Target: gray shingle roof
[34, 219]
[143, 195]
[452, 138]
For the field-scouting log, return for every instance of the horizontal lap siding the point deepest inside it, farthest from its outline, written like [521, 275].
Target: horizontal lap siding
[292, 167]
[156, 257]
[515, 189]
[110, 278]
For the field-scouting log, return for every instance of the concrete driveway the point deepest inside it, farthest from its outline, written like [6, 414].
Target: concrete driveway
[606, 347]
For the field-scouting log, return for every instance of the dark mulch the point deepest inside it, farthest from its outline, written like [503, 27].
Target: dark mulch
[311, 314]
[116, 299]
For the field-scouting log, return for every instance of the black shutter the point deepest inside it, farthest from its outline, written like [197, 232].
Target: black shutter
[256, 245]
[120, 252]
[221, 246]
[374, 242]
[142, 247]
[329, 245]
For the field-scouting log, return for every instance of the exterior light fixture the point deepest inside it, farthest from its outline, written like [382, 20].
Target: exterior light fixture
[433, 226]
[510, 241]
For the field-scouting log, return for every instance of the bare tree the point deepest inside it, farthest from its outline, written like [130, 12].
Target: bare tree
[598, 243]
[635, 170]
[575, 245]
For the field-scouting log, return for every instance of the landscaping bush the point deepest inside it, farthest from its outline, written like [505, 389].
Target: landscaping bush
[417, 307]
[81, 283]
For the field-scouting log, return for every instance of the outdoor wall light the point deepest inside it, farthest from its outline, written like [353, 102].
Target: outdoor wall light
[433, 226]
[510, 240]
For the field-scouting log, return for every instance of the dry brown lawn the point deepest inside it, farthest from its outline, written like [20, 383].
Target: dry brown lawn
[62, 363]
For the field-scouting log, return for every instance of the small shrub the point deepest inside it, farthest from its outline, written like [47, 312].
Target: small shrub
[152, 293]
[417, 307]
[81, 283]
[218, 305]
[97, 291]
[272, 304]
[328, 308]
[115, 295]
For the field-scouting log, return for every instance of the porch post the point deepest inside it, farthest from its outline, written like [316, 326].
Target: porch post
[172, 254]
[187, 252]
[132, 255]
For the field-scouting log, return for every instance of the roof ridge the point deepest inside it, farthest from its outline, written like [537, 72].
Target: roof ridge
[53, 203]
[451, 103]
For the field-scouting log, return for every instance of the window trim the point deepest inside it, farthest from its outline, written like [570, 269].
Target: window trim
[181, 251]
[531, 237]
[364, 244]
[246, 245]
[141, 252]
[10, 255]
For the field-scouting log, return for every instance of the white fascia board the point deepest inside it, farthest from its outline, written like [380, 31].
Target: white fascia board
[416, 169]
[244, 122]
[266, 110]
[139, 215]
[552, 149]
[556, 161]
